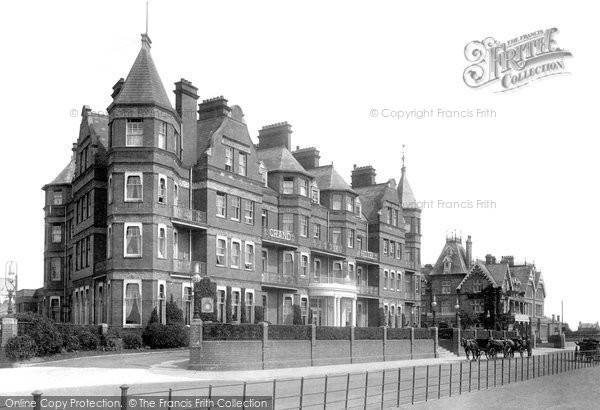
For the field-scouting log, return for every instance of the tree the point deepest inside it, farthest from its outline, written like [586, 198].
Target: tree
[297, 315]
[153, 317]
[173, 313]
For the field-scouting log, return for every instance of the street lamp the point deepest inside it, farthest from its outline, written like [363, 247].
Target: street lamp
[433, 306]
[10, 280]
[457, 307]
[196, 279]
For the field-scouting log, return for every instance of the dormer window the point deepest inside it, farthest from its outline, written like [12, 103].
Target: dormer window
[135, 133]
[288, 185]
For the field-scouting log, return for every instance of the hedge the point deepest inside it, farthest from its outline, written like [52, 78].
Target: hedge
[226, 331]
[43, 331]
[332, 333]
[289, 332]
[21, 348]
[159, 336]
[422, 333]
[368, 333]
[400, 333]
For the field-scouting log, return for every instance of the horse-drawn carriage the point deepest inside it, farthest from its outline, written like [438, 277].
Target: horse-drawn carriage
[587, 350]
[491, 347]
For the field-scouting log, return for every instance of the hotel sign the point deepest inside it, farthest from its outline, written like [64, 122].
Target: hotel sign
[276, 234]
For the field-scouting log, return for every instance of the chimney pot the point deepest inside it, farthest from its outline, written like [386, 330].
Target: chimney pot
[275, 135]
[213, 108]
[307, 157]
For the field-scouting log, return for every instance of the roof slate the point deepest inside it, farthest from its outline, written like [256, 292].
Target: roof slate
[328, 179]
[143, 84]
[405, 193]
[280, 159]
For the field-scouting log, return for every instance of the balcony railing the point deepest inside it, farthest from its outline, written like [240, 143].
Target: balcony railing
[333, 280]
[374, 256]
[327, 246]
[55, 210]
[189, 215]
[189, 267]
[368, 290]
[279, 278]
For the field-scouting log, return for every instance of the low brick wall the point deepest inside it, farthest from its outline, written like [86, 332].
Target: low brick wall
[268, 354]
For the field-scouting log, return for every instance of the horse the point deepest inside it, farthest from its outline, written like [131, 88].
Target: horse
[470, 346]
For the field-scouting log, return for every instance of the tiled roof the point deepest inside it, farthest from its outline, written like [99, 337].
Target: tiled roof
[480, 266]
[405, 193]
[66, 175]
[372, 198]
[280, 159]
[143, 84]
[498, 272]
[328, 179]
[458, 259]
[521, 273]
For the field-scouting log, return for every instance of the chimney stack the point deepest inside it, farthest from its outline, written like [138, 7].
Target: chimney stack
[363, 176]
[275, 135]
[509, 259]
[213, 108]
[490, 259]
[307, 157]
[469, 252]
[186, 100]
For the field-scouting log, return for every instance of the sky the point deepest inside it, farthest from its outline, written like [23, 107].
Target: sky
[335, 71]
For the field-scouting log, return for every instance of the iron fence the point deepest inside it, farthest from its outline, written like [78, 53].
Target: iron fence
[387, 388]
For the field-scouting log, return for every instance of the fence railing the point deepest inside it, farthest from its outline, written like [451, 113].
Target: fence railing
[382, 388]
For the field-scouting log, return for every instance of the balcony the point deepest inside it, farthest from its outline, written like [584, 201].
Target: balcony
[56, 211]
[188, 216]
[279, 278]
[411, 296]
[188, 267]
[368, 290]
[408, 265]
[327, 246]
[333, 280]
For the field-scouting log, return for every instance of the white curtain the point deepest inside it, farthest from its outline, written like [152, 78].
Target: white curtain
[132, 304]
[133, 240]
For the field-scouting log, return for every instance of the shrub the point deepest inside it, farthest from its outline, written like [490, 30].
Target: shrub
[422, 334]
[297, 315]
[21, 348]
[44, 333]
[71, 343]
[153, 317]
[173, 313]
[381, 317]
[289, 332]
[259, 314]
[399, 333]
[132, 341]
[112, 344]
[88, 340]
[159, 336]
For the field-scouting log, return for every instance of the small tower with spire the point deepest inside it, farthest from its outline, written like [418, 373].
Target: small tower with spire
[411, 213]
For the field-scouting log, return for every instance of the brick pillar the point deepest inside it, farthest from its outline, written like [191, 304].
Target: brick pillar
[313, 343]
[434, 334]
[456, 336]
[195, 345]
[412, 341]
[265, 342]
[384, 340]
[9, 329]
[351, 344]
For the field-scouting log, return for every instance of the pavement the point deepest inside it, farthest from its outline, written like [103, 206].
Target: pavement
[164, 369]
[573, 390]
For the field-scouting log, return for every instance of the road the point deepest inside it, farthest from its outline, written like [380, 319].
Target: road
[155, 373]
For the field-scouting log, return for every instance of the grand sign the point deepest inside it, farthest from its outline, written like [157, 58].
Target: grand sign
[276, 234]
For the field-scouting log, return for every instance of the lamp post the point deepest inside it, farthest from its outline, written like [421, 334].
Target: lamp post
[457, 308]
[196, 279]
[10, 281]
[433, 306]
